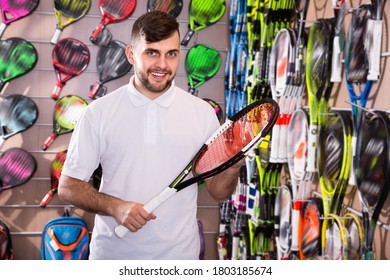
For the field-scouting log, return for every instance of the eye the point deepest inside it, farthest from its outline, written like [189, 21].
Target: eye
[172, 54]
[151, 53]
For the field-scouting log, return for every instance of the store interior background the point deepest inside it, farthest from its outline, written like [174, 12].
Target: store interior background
[19, 207]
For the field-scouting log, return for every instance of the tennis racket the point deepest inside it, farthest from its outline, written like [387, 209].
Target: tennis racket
[55, 172]
[112, 11]
[67, 112]
[172, 7]
[217, 108]
[111, 64]
[225, 234]
[68, 12]
[202, 63]
[372, 165]
[301, 8]
[202, 14]
[334, 238]
[226, 146]
[17, 166]
[17, 58]
[340, 8]
[12, 10]
[17, 114]
[355, 235]
[70, 58]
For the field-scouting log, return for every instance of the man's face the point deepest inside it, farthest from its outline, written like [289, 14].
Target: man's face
[154, 64]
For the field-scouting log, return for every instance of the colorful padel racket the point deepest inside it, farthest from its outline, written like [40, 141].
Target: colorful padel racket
[17, 58]
[70, 58]
[229, 144]
[112, 11]
[17, 166]
[202, 14]
[111, 64]
[12, 10]
[372, 164]
[55, 173]
[68, 12]
[67, 112]
[202, 63]
[17, 114]
[172, 7]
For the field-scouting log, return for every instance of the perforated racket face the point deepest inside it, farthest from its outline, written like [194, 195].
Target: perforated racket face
[217, 108]
[70, 56]
[17, 113]
[204, 13]
[116, 10]
[17, 57]
[12, 10]
[297, 135]
[16, 167]
[72, 9]
[246, 127]
[112, 62]
[67, 112]
[56, 168]
[202, 63]
[371, 165]
[172, 7]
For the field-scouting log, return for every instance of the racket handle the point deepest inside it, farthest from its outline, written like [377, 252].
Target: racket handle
[295, 214]
[283, 139]
[56, 36]
[57, 90]
[352, 176]
[275, 141]
[2, 28]
[374, 55]
[235, 246]
[121, 230]
[47, 198]
[312, 148]
[49, 141]
[187, 37]
[336, 61]
[96, 32]
[94, 90]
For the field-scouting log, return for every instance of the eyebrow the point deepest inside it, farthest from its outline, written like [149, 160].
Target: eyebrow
[156, 50]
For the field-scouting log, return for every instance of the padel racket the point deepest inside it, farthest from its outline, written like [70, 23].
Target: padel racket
[334, 238]
[68, 12]
[217, 108]
[202, 14]
[70, 58]
[172, 7]
[55, 172]
[12, 10]
[17, 58]
[111, 64]
[67, 112]
[202, 63]
[17, 114]
[112, 11]
[229, 144]
[372, 165]
[17, 166]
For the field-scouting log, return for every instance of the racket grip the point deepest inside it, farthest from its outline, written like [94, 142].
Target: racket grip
[374, 55]
[94, 90]
[275, 142]
[96, 33]
[56, 36]
[2, 28]
[312, 148]
[235, 246]
[57, 90]
[120, 231]
[47, 198]
[336, 61]
[49, 141]
[187, 37]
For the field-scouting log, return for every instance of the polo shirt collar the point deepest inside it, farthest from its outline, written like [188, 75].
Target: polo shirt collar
[138, 99]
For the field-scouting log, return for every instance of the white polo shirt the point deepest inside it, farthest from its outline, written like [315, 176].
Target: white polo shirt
[143, 145]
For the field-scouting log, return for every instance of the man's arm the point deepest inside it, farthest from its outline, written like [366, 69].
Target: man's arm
[82, 195]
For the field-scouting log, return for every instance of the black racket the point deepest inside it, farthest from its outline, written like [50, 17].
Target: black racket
[111, 64]
[229, 144]
[17, 114]
[172, 7]
[202, 14]
[17, 166]
[372, 164]
[217, 108]
[17, 58]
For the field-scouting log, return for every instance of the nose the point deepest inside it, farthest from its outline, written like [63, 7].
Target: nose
[161, 62]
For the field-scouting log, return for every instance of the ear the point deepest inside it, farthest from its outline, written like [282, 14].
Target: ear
[130, 54]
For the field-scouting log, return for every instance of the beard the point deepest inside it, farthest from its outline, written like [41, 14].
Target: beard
[155, 87]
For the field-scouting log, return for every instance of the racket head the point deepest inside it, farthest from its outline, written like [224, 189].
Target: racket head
[217, 108]
[71, 10]
[117, 10]
[15, 10]
[334, 238]
[70, 57]
[17, 114]
[236, 137]
[202, 63]
[17, 166]
[17, 58]
[172, 7]
[205, 13]
[56, 167]
[67, 112]
[355, 233]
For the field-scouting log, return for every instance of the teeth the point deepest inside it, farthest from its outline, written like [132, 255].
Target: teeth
[158, 74]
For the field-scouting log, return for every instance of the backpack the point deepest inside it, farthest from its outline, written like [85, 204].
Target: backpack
[6, 250]
[65, 238]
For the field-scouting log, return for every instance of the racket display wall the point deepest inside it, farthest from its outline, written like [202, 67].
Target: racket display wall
[19, 207]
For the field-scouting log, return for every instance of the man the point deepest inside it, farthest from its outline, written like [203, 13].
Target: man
[143, 134]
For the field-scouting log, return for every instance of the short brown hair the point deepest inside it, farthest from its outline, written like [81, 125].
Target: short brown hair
[155, 26]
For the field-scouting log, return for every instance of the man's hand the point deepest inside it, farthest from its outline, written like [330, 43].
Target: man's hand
[133, 215]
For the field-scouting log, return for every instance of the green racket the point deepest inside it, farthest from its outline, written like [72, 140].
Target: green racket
[202, 63]
[202, 14]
